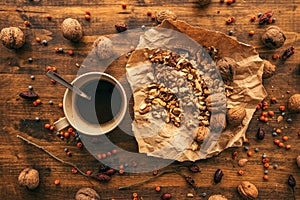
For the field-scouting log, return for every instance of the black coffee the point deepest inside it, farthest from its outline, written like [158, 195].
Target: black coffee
[105, 104]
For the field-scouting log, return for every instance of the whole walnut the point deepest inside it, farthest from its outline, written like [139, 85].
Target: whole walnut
[269, 69]
[217, 197]
[72, 29]
[12, 37]
[103, 47]
[165, 14]
[203, 2]
[247, 190]
[29, 178]
[294, 103]
[236, 115]
[226, 67]
[273, 37]
[87, 194]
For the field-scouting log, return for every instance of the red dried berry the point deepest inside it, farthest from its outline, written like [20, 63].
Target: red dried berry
[102, 177]
[165, 196]
[121, 27]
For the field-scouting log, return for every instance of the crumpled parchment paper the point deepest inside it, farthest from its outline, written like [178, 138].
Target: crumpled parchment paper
[156, 138]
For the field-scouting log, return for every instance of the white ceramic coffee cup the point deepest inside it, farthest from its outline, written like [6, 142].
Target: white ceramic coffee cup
[72, 115]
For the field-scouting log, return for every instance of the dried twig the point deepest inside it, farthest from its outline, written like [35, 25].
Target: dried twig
[53, 156]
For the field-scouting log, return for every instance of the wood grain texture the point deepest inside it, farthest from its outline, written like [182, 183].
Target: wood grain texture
[18, 116]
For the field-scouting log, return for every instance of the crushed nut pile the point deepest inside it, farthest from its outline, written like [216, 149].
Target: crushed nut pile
[183, 87]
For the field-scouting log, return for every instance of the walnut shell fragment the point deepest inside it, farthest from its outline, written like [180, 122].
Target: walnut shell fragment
[87, 194]
[203, 2]
[273, 37]
[298, 161]
[294, 103]
[236, 115]
[72, 29]
[226, 68]
[217, 197]
[103, 47]
[247, 190]
[12, 37]
[29, 178]
[269, 69]
[165, 14]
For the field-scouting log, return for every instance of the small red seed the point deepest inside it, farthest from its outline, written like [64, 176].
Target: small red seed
[89, 172]
[88, 12]
[70, 52]
[74, 170]
[124, 6]
[87, 17]
[251, 33]
[149, 13]
[27, 23]
[79, 144]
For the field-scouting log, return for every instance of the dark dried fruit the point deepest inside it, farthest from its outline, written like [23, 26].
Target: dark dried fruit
[287, 53]
[110, 172]
[194, 168]
[260, 134]
[218, 176]
[103, 168]
[102, 177]
[28, 95]
[165, 196]
[265, 17]
[190, 180]
[292, 181]
[121, 27]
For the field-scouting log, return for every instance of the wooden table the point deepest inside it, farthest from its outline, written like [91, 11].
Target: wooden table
[18, 116]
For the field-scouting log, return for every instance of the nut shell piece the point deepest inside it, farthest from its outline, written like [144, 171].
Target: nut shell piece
[165, 14]
[29, 178]
[236, 115]
[87, 194]
[12, 37]
[269, 69]
[72, 29]
[247, 190]
[273, 37]
[294, 103]
[217, 197]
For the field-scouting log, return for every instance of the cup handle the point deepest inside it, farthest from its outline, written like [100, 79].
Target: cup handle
[61, 124]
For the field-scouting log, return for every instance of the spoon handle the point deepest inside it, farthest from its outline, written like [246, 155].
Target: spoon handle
[65, 83]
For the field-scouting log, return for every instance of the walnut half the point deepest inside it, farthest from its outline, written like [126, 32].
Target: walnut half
[247, 190]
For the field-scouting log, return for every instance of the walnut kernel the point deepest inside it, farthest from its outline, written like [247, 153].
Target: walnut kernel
[294, 103]
[87, 194]
[12, 37]
[273, 37]
[165, 14]
[72, 29]
[236, 115]
[29, 178]
[269, 69]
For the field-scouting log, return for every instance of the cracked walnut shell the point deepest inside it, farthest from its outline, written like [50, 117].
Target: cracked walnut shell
[269, 69]
[165, 14]
[72, 29]
[247, 190]
[87, 194]
[273, 37]
[236, 115]
[12, 37]
[294, 103]
[29, 178]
